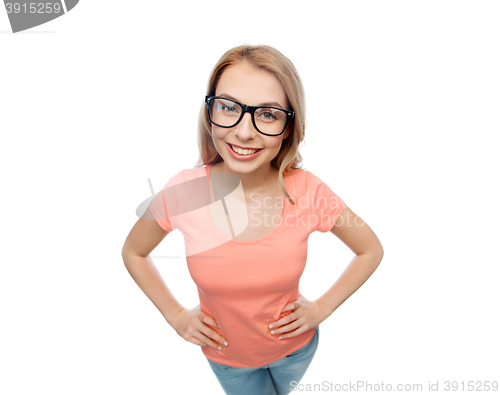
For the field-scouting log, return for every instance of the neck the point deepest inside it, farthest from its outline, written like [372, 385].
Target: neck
[257, 181]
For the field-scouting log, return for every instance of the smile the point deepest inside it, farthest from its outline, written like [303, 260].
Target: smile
[243, 151]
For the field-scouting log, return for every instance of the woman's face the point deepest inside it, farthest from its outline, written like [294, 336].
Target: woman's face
[254, 87]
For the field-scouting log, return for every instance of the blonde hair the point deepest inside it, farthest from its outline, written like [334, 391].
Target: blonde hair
[269, 59]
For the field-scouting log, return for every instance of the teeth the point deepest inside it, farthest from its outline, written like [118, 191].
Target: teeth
[243, 151]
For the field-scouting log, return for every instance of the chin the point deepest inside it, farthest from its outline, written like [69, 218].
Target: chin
[241, 167]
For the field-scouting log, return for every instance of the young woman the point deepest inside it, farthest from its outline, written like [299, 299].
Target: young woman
[246, 212]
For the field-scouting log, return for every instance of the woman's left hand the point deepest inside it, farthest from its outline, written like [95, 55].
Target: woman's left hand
[305, 315]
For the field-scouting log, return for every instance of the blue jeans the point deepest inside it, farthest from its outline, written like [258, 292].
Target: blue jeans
[272, 379]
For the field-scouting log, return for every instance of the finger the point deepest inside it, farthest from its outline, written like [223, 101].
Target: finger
[196, 342]
[213, 335]
[209, 320]
[289, 306]
[209, 342]
[285, 328]
[283, 321]
[300, 330]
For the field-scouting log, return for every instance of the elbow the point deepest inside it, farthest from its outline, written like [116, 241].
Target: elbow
[128, 251]
[379, 254]
[376, 254]
[129, 255]
[125, 258]
[126, 254]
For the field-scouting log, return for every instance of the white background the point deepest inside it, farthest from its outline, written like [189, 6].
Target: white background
[403, 118]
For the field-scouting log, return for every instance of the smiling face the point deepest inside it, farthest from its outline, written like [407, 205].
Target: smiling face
[254, 87]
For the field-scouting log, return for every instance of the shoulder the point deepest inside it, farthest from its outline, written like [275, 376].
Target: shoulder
[309, 186]
[187, 175]
[305, 178]
[195, 172]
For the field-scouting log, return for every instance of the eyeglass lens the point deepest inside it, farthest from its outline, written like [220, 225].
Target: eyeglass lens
[267, 119]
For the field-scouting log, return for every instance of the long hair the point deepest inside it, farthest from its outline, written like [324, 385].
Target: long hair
[269, 59]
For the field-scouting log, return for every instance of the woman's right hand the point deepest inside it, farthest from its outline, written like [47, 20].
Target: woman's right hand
[193, 325]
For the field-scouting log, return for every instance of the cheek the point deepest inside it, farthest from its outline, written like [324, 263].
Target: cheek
[218, 133]
[274, 144]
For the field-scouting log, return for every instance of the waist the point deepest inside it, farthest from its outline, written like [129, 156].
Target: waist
[248, 349]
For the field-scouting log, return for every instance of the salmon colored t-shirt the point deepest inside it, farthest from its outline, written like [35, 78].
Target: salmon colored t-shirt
[244, 285]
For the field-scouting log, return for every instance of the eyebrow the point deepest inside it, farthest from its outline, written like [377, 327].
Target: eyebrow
[267, 104]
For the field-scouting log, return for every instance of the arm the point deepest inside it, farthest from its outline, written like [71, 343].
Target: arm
[358, 236]
[189, 324]
[142, 239]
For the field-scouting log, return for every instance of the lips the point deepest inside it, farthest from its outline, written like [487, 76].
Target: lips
[249, 148]
[243, 153]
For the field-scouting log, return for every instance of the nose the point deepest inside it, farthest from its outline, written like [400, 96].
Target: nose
[245, 129]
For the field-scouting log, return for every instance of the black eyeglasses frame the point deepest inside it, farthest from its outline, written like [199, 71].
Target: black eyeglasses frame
[249, 109]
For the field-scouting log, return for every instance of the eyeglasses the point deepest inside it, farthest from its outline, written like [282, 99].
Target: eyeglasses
[226, 113]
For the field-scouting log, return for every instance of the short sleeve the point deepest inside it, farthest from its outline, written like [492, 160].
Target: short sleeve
[184, 193]
[158, 207]
[327, 205]
[164, 199]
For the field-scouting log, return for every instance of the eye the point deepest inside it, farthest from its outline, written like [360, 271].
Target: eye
[226, 107]
[268, 114]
